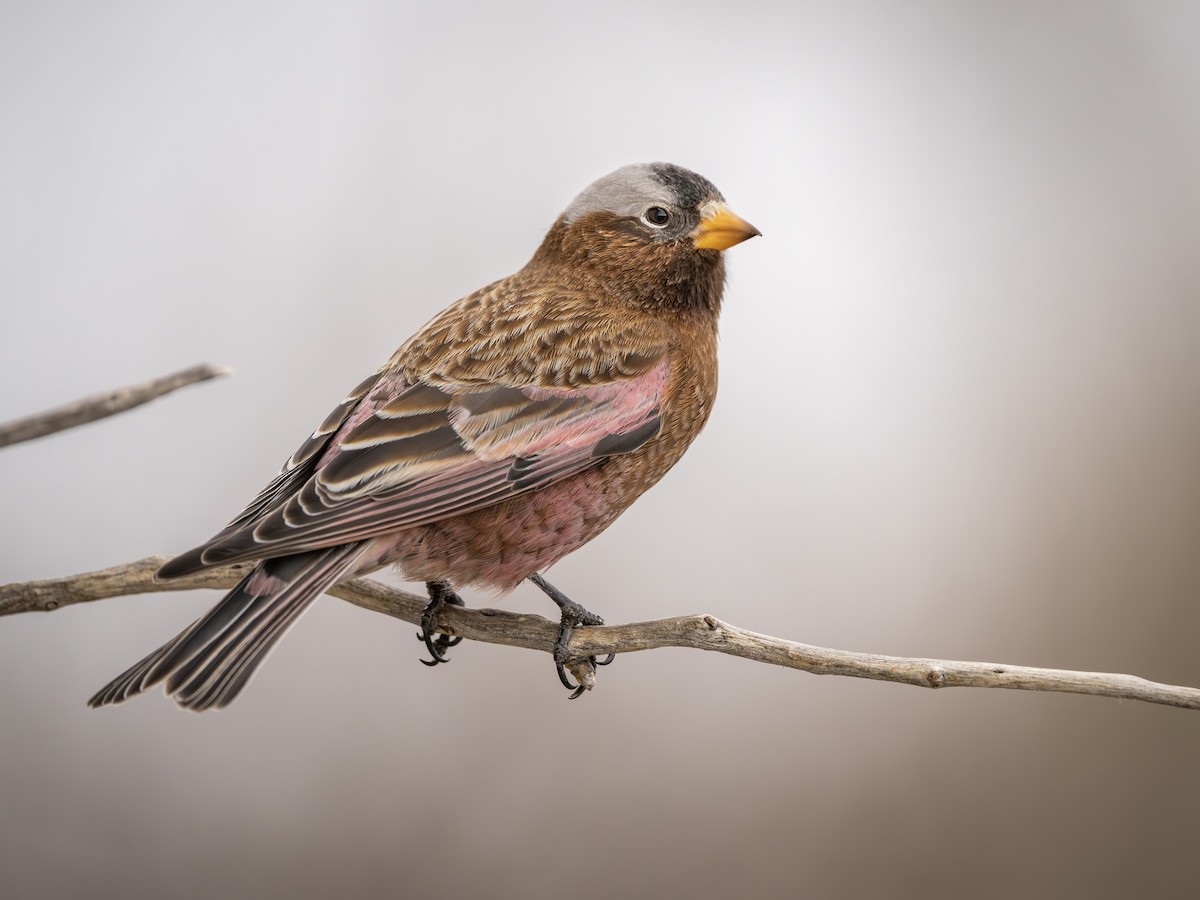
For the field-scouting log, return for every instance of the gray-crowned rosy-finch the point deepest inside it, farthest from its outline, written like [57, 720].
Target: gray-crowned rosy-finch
[510, 430]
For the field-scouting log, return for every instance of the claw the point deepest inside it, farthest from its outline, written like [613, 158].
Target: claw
[573, 616]
[437, 643]
[436, 650]
[562, 676]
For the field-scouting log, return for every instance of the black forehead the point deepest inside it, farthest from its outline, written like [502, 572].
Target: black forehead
[690, 189]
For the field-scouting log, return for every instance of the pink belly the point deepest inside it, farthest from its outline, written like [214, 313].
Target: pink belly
[502, 545]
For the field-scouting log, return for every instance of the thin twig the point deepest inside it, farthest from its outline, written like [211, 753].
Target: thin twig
[699, 632]
[101, 406]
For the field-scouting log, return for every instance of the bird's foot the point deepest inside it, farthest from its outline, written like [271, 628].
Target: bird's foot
[573, 616]
[437, 643]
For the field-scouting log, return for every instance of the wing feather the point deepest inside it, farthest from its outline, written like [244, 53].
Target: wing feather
[298, 469]
[404, 453]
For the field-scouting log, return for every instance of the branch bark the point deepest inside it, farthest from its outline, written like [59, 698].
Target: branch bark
[699, 632]
[101, 406]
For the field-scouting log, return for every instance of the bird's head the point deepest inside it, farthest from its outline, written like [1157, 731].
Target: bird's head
[653, 231]
[661, 203]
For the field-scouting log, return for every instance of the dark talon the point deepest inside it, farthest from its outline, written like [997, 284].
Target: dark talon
[436, 643]
[573, 616]
[562, 676]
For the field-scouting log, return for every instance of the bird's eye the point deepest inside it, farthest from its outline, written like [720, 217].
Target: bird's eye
[656, 216]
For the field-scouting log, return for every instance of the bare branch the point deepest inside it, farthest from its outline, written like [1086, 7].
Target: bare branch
[699, 632]
[101, 406]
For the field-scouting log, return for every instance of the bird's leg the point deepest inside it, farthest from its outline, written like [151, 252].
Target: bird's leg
[573, 616]
[437, 644]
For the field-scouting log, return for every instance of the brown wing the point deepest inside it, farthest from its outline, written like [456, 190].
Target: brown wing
[509, 390]
[301, 465]
[411, 454]
[298, 469]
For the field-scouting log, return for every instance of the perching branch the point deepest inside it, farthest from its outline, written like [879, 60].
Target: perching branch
[700, 632]
[101, 406]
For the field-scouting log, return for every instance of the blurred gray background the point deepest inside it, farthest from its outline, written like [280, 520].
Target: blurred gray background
[959, 416]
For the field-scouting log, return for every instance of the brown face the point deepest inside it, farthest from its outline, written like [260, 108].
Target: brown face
[654, 234]
[638, 269]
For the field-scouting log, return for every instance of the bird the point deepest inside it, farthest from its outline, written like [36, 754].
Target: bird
[509, 431]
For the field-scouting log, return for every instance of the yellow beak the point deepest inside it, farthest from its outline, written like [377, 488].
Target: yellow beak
[720, 229]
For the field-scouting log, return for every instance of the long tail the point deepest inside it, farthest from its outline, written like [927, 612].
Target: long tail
[209, 663]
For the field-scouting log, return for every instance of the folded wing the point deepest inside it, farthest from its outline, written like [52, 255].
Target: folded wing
[406, 452]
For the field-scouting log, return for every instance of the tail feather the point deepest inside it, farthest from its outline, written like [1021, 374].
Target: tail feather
[133, 680]
[222, 680]
[215, 675]
[209, 663]
[232, 621]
